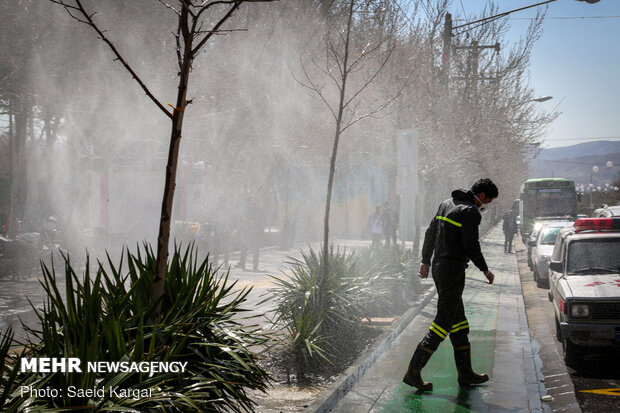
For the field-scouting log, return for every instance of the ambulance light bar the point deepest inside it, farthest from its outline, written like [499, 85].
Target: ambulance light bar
[596, 224]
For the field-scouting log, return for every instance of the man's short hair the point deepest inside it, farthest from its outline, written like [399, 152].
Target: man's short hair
[487, 186]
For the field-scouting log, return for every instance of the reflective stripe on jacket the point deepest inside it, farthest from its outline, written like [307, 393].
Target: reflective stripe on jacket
[453, 232]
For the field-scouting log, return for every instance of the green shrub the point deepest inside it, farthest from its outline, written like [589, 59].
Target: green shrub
[321, 326]
[10, 382]
[391, 273]
[109, 317]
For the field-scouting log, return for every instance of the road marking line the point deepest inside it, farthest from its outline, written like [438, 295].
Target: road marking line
[607, 392]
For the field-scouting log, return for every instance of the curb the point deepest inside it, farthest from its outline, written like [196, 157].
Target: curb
[336, 392]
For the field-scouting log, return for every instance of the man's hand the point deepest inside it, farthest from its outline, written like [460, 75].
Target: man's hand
[423, 271]
[490, 276]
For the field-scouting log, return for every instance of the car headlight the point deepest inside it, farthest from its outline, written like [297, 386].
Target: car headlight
[580, 310]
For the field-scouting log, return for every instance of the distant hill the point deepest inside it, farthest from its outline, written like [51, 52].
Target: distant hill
[576, 161]
[581, 149]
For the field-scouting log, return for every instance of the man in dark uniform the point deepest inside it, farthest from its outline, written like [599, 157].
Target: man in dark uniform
[451, 240]
[510, 229]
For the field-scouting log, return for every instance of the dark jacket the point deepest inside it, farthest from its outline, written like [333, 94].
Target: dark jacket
[510, 224]
[453, 232]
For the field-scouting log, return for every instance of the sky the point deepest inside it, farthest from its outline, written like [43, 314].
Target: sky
[576, 60]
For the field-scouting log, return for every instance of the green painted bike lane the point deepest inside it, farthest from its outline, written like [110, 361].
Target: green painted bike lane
[481, 307]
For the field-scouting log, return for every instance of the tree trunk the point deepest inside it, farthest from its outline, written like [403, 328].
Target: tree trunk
[163, 238]
[332, 165]
[11, 224]
[17, 142]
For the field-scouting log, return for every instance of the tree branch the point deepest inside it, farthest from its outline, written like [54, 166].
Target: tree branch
[371, 79]
[235, 5]
[328, 74]
[216, 27]
[313, 87]
[170, 7]
[89, 21]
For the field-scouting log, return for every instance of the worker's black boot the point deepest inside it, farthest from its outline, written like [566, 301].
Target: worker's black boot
[467, 376]
[418, 361]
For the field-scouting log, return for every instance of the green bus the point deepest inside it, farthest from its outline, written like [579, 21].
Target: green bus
[546, 197]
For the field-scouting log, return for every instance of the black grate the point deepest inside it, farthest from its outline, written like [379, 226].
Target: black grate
[606, 311]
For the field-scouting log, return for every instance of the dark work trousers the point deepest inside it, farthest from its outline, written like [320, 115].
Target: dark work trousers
[508, 242]
[251, 242]
[449, 278]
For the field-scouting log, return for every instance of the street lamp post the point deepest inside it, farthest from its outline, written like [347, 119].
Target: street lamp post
[591, 186]
[541, 99]
[595, 170]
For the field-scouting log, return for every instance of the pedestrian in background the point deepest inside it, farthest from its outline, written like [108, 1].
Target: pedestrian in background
[252, 230]
[375, 224]
[390, 224]
[510, 229]
[451, 240]
[222, 232]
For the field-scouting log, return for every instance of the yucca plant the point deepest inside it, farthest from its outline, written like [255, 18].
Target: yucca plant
[320, 326]
[392, 270]
[10, 381]
[108, 317]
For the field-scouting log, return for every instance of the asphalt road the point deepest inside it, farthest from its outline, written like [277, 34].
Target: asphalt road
[595, 386]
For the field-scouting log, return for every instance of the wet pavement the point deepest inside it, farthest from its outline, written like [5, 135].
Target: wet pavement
[17, 297]
[501, 347]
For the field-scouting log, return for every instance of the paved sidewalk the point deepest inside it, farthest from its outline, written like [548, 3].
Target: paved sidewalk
[501, 347]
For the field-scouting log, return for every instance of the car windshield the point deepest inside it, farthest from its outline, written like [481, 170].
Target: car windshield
[549, 236]
[594, 256]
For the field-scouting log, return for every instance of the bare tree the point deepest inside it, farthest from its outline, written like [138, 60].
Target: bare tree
[355, 57]
[198, 22]
[473, 111]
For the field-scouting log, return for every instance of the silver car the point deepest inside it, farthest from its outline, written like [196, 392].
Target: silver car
[542, 249]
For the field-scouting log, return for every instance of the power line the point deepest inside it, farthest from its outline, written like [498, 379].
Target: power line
[463, 8]
[605, 138]
[555, 18]
[566, 18]
[404, 14]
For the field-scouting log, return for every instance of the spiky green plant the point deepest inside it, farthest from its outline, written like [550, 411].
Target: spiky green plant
[10, 382]
[109, 317]
[320, 326]
[392, 271]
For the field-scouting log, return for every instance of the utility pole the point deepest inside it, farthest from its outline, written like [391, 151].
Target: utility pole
[447, 50]
[443, 103]
[474, 58]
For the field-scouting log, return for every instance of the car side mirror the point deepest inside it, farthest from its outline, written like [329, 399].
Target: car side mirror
[531, 242]
[556, 266]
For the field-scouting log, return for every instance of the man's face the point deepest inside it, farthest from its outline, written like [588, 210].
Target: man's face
[483, 199]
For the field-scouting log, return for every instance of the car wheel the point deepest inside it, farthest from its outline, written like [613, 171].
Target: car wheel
[558, 331]
[571, 353]
[539, 282]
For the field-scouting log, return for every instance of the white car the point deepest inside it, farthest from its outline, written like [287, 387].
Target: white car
[533, 237]
[543, 248]
[584, 273]
[607, 211]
